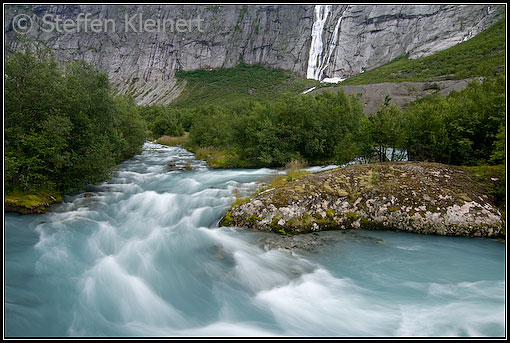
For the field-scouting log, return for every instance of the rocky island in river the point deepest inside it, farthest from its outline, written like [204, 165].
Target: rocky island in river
[422, 197]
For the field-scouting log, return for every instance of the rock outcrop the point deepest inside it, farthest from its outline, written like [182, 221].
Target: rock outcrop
[30, 204]
[143, 62]
[428, 198]
[403, 93]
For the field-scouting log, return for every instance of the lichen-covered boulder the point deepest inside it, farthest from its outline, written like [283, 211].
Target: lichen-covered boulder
[418, 197]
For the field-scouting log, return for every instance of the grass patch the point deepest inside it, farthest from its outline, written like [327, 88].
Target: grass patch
[227, 220]
[493, 177]
[295, 170]
[375, 177]
[242, 82]
[277, 180]
[171, 141]
[218, 158]
[291, 175]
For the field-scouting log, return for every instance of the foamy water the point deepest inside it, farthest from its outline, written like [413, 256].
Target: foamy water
[144, 256]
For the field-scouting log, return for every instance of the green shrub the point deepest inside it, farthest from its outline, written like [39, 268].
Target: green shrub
[63, 126]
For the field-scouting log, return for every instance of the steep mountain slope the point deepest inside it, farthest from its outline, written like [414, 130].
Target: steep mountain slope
[141, 56]
[403, 79]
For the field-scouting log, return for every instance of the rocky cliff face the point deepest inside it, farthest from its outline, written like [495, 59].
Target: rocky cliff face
[373, 35]
[141, 56]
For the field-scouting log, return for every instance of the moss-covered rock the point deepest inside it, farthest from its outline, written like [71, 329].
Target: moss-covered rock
[30, 203]
[418, 197]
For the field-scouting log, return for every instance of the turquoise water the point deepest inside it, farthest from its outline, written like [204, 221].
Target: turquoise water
[144, 256]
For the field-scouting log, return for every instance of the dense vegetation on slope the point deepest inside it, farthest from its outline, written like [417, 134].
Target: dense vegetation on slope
[242, 82]
[466, 128]
[481, 55]
[63, 126]
[273, 133]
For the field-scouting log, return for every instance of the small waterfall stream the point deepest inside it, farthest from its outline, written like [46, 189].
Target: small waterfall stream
[319, 58]
[316, 47]
[332, 44]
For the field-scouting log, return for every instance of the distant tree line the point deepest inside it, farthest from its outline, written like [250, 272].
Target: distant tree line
[465, 128]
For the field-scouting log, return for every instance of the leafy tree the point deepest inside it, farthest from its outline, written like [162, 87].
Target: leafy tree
[211, 126]
[498, 155]
[130, 127]
[163, 120]
[63, 127]
[309, 128]
[459, 129]
[385, 130]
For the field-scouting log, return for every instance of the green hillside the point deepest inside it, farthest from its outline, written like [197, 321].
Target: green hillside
[242, 82]
[278, 126]
[482, 55]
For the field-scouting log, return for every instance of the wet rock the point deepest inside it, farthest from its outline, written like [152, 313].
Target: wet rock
[179, 167]
[30, 203]
[313, 243]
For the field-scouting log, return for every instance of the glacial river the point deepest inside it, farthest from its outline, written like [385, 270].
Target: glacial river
[142, 255]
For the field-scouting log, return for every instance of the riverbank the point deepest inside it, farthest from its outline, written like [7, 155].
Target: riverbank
[30, 203]
[216, 157]
[419, 197]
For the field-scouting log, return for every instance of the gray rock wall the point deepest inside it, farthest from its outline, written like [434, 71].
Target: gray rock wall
[279, 36]
[373, 35]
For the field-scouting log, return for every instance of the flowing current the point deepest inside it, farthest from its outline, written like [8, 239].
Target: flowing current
[142, 255]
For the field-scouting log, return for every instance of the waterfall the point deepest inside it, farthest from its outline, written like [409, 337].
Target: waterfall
[317, 63]
[333, 43]
[314, 57]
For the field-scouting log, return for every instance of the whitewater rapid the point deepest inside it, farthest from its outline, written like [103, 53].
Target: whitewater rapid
[142, 255]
